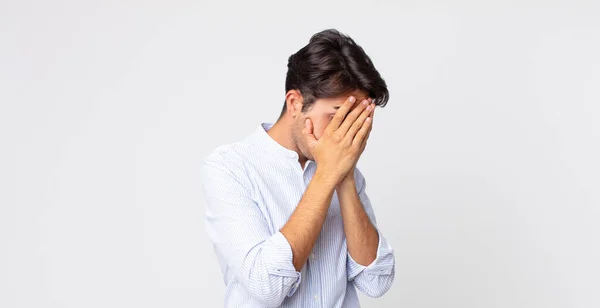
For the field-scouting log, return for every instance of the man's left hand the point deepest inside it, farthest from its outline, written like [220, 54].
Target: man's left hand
[349, 178]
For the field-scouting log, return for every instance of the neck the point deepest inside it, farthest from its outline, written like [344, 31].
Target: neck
[281, 132]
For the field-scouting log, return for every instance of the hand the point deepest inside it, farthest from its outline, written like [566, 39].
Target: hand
[349, 177]
[337, 151]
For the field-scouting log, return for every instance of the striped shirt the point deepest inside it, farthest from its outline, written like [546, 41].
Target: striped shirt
[251, 188]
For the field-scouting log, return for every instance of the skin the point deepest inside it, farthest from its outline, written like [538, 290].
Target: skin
[333, 133]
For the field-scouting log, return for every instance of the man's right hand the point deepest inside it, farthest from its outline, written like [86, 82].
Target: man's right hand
[339, 147]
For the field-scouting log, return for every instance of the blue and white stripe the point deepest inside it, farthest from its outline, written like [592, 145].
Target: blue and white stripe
[252, 187]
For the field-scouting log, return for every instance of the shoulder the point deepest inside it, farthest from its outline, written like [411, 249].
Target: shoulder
[226, 156]
[230, 159]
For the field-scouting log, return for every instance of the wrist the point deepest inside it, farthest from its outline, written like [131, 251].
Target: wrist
[328, 179]
[347, 182]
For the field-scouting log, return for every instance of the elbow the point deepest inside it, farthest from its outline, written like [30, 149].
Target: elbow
[268, 301]
[268, 296]
[268, 273]
[270, 289]
[378, 284]
[376, 293]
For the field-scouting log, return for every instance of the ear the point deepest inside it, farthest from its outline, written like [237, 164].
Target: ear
[294, 102]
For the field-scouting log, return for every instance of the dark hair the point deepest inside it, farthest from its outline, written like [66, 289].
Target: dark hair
[332, 64]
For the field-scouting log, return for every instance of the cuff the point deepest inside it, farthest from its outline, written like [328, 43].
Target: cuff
[382, 265]
[279, 254]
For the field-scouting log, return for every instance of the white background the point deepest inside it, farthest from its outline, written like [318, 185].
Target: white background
[483, 169]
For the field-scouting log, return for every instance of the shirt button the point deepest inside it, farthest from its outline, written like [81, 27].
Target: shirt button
[316, 297]
[312, 256]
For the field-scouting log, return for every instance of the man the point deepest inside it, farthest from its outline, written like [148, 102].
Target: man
[287, 209]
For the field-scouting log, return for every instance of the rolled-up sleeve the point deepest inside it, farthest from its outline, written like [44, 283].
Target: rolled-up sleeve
[375, 279]
[259, 260]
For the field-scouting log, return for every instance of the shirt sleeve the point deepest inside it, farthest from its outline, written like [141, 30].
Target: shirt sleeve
[375, 279]
[259, 260]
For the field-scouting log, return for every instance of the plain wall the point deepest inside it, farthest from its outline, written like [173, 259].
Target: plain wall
[483, 169]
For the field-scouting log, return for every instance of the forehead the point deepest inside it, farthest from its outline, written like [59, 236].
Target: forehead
[333, 102]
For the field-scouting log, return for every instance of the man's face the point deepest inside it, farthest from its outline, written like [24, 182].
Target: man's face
[321, 113]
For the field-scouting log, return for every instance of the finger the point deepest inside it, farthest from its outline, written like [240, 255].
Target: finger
[372, 117]
[362, 133]
[357, 124]
[363, 146]
[373, 111]
[364, 143]
[308, 134]
[339, 116]
[352, 117]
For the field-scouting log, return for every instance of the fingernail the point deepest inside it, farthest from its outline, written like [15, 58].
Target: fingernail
[369, 108]
[369, 119]
[352, 99]
[365, 102]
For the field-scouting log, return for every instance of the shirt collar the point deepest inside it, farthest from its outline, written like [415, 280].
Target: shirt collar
[270, 143]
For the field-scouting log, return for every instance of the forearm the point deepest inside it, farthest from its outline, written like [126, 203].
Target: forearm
[361, 236]
[305, 224]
